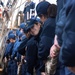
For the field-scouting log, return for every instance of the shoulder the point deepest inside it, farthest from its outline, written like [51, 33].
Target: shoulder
[49, 27]
[50, 22]
[31, 41]
[32, 3]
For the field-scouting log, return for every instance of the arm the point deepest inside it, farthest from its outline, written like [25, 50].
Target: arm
[67, 54]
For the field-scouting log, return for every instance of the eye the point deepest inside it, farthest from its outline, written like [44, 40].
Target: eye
[32, 27]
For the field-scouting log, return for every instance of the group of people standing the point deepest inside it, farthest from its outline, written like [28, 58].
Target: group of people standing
[39, 38]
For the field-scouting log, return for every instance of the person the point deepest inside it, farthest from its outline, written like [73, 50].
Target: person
[11, 63]
[9, 45]
[23, 60]
[22, 47]
[29, 5]
[6, 57]
[47, 14]
[32, 46]
[22, 26]
[20, 57]
[60, 24]
[67, 53]
[20, 35]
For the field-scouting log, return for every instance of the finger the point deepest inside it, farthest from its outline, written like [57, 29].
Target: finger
[52, 54]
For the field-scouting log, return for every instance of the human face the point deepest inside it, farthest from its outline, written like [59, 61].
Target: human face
[35, 29]
[21, 30]
[11, 40]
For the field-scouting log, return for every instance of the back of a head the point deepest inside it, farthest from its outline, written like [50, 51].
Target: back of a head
[46, 9]
[10, 32]
[20, 34]
[12, 36]
[52, 11]
[22, 25]
[42, 7]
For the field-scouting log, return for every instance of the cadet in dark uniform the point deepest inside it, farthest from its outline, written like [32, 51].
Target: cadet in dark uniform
[60, 24]
[22, 26]
[22, 48]
[29, 5]
[67, 53]
[45, 12]
[7, 55]
[20, 35]
[12, 65]
[32, 47]
[23, 60]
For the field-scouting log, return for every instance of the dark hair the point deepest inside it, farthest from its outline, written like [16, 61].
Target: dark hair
[52, 11]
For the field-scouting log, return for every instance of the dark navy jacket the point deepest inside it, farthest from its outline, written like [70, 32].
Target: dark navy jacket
[12, 64]
[46, 38]
[61, 18]
[67, 52]
[8, 50]
[59, 7]
[29, 6]
[15, 49]
[21, 48]
[31, 54]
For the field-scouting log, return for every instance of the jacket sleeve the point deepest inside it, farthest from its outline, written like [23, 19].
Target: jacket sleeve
[8, 49]
[44, 47]
[46, 42]
[15, 49]
[60, 25]
[21, 48]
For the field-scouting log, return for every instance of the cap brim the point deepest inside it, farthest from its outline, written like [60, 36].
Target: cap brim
[29, 27]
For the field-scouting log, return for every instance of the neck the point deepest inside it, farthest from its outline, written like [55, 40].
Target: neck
[44, 20]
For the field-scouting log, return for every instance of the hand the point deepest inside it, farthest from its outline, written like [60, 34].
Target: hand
[22, 57]
[43, 73]
[53, 52]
